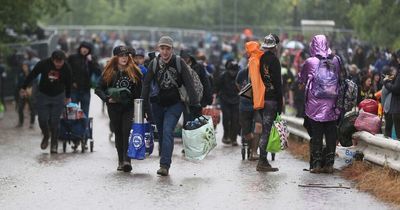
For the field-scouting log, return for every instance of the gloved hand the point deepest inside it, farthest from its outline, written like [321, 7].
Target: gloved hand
[195, 111]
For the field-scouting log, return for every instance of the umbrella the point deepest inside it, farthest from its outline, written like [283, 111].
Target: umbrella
[293, 45]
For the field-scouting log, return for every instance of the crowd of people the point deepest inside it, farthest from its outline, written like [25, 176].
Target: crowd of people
[283, 81]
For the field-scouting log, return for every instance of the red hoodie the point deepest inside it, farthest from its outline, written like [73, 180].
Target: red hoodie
[253, 50]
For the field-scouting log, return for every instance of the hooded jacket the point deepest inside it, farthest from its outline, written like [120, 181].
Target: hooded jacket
[253, 50]
[82, 68]
[317, 109]
[207, 90]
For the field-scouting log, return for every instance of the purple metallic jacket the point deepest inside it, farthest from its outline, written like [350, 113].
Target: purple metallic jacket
[321, 110]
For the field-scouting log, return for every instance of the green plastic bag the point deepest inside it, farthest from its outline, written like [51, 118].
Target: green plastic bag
[274, 140]
[2, 109]
[120, 95]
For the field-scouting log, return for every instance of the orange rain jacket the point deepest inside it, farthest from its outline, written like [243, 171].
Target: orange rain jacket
[253, 50]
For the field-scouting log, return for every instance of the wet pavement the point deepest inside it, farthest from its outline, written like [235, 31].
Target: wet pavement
[33, 179]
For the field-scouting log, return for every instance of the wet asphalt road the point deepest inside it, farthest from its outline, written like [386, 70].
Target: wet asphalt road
[33, 179]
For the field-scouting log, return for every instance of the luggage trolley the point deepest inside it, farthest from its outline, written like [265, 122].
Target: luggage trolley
[75, 127]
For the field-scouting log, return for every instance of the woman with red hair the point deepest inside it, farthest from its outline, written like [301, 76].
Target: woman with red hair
[119, 85]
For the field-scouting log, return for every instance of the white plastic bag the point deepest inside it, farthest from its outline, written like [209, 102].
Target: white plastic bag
[345, 156]
[199, 142]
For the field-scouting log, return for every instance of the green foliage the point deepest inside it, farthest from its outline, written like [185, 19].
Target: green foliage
[374, 21]
[22, 15]
[377, 21]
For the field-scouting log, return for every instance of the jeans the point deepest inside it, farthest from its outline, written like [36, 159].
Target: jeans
[121, 120]
[166, 118]
[82, 97]
[268, 116]
[49, 110]
[319, 129]
[230, 120]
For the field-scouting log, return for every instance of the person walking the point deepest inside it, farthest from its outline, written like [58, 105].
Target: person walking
[249, 109]
[270, 72]
[25, 99]
[160, 88]
[83, 66]
[119, 84]
[228, 94]
[54, 92]
[320, 111]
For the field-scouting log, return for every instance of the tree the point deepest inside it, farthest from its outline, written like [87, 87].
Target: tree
[377, 21]
[21, 16]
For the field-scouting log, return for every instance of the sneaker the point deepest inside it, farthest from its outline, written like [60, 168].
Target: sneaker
[226, 141]
[264, 166]
[127, 167]
[45, 142]
[163, 171]
[19, 125]
[120, 166]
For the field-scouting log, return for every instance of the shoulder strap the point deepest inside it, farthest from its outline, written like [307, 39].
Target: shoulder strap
[178, 63]
[248, 75]
[154, 67]
[341, 66]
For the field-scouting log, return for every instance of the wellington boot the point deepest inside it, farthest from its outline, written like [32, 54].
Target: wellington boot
[254, 147]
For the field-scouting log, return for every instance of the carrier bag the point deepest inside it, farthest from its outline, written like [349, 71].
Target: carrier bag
[214, 112]
[149, 138]
[1, 110]
[369, 105]
[281, 126]
[274, 140]
[198, 142]
[368, 122]
[136, 144]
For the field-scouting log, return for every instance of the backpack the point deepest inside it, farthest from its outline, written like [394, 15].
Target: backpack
[348, 92]
[206, 81]
[346, 129]
[182, 90]
[326, 80]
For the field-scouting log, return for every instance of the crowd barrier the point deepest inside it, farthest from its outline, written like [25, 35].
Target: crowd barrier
[375, 148]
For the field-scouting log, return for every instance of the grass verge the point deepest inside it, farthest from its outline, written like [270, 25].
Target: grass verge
[382, 182]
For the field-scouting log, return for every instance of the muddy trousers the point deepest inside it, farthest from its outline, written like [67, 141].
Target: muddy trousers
[319, 130]
[121, 120]
[49, 110]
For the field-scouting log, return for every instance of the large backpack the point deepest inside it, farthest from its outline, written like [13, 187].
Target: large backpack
[346, 129]
[326, 80]
[348, 91]
[182, 90]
